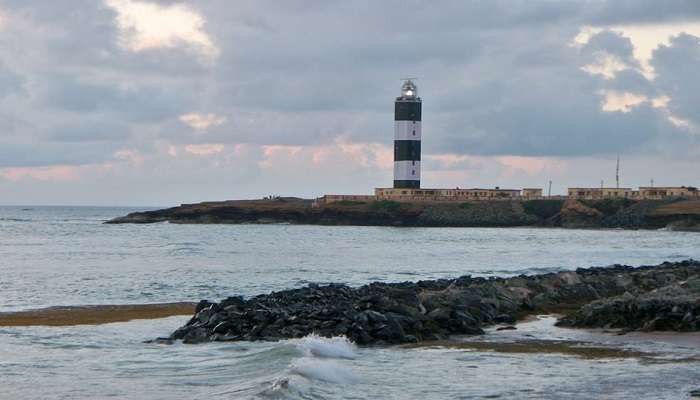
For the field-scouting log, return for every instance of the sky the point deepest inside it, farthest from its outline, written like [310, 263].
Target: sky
[156, 103]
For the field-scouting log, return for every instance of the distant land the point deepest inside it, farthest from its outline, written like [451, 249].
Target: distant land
[675, 214]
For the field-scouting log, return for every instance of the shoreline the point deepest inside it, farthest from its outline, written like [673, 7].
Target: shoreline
[674, 214]
[515, 227]
[539, 334]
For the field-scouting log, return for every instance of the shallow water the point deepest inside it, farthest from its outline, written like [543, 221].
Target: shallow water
[65, 256]
[111, 360]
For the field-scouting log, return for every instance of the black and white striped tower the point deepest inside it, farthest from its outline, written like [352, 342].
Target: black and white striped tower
[407, 119]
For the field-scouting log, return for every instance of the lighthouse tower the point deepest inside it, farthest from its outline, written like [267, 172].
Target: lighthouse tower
[407, 131]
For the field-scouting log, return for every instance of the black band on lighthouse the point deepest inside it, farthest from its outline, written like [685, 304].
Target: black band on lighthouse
[407, 111]
[406, 150]
[407, 184]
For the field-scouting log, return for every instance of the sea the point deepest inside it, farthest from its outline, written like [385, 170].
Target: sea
[66, 256]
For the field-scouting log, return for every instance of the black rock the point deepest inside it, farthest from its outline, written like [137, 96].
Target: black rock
[671, 307]
[160, 340]
[440, 314]
[663, 297]
[504, 319]
[390, 332]
[197, 335]
[375, 317]
[202, 305]
[506, 328]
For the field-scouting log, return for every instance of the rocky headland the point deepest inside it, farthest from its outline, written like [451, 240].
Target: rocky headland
[662, 297]
[680, 214]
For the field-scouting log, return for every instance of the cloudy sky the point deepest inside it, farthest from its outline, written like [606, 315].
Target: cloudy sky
[136, 102]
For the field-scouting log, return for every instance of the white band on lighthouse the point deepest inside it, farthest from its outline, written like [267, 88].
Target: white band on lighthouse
[406, 130]
[407, 170]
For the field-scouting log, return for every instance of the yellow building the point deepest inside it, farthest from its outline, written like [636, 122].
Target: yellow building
[660, 193]
[476, 194]
[532, 193]
[644, 193]
[445, 195]
[602, 193]
[334, 198]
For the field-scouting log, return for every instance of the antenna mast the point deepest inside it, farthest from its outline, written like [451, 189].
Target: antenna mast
[617, 172]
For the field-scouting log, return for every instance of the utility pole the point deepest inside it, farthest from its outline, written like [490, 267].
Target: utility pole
[652, 182]
[617, 172]
[549, 192]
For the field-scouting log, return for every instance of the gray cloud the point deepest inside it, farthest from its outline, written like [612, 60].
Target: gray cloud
[497, 78]
[45, 153]
[677, 66]
[140, 102]
[638, 11]
[108, 130]
[10, 82]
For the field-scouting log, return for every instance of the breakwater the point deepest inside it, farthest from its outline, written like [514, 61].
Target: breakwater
[662, 297]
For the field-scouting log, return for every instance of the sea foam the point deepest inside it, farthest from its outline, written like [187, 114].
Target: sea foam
[333, 347]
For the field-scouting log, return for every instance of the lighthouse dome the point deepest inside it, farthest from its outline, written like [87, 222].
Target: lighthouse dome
[409, 89]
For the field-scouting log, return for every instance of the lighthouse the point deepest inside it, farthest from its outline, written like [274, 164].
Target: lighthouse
[407, 133]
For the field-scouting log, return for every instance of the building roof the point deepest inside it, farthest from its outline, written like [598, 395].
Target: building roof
[493, 190]
[599, 188]
[691, 188]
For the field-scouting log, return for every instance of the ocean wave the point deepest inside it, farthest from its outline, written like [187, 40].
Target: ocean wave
[322, 359]
[329, 371]
[319, 361]
[408, 273]
[281, 388]
[333, 347]
[524, 271]
[679, 257]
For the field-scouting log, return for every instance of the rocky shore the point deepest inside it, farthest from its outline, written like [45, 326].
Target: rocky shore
[674, 307]
[662, 297]
[676, 214]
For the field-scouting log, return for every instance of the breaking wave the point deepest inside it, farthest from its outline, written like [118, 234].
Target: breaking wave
[334, 347]
[322, 361]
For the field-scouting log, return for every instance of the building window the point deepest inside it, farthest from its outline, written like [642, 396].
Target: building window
[413, 163]
[413, 172]
[414, 132]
